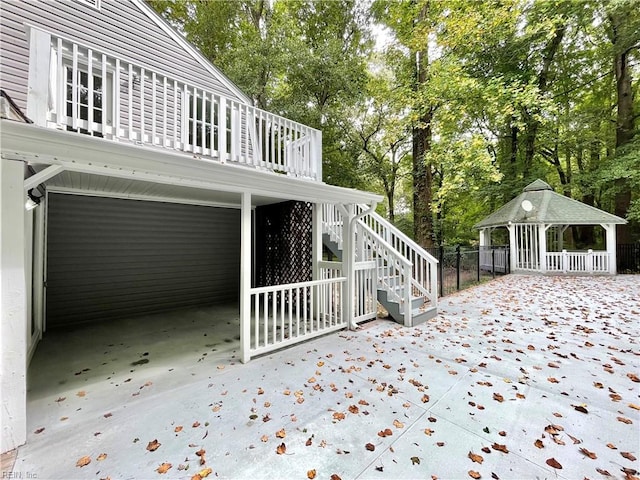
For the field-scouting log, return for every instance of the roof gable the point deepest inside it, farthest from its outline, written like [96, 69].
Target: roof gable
[549, 207]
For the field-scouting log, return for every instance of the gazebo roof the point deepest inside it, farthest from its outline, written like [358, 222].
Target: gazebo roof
[548, 207]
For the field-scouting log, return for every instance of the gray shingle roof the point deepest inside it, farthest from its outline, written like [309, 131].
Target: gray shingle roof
[549, 207]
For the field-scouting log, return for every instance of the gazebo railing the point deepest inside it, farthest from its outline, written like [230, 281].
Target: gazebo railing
[578, 262]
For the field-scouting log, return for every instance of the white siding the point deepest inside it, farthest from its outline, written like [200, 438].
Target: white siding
[119, 27]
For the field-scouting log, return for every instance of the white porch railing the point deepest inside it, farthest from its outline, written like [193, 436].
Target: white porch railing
[98, 93]
[282, 315]
[365, 284]
[578, 262]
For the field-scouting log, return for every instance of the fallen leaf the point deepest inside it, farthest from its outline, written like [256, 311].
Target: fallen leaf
[195, 425]
[260, 391]
[415, 461]
[432, 419]
[475, 457]
[178, 429]
[281, 449]
[498, 398]
[612, 446]
[603, 472]
[264, 439]
[309, 442]
[552, 462]
[354, 409]
[370, 446]
[335, 476]
[494, 476]
[164, 467]
[502, 433]
[628, 456]
[40, 430]
[486, 449]
[385, 433]
[474, 474]
[107, 415]
[576, 441]
[153, 445]
[624, 420]
[440, 444]
[339, 416]
[589, 454]
[553, 380]
[81, 393]
[83, 461]
[201, 453]
[363, 402]
[580, 408]
[538, 443]
[61, 399]
[205, 472]
[500, 448]
[311, 474]
[634, 406]
[281, 433]
[633, 377]
[312, 380]
[101, 457]
[428, 431]
[425, 398]
[398, 424]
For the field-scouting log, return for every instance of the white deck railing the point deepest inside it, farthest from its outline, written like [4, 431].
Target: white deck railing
[578, 262]
[365, 285]
[98, 93]
[282, 315]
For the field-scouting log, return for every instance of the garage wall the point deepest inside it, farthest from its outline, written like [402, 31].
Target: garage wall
[109, 258]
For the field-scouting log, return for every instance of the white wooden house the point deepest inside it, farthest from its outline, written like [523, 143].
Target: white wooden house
[536, 222]
[158, 185]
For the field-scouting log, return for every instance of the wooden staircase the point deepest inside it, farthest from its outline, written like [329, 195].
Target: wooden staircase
[406, 274]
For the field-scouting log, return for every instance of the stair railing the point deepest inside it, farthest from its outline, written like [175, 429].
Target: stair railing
[394, 271]
[424, 265]
[402, 262]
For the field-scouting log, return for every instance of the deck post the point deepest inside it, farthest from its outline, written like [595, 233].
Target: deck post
[245, 277]
[38, 88]
[13, 306]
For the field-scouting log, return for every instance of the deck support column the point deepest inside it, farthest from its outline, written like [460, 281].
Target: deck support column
[245, 277]
[13, 306]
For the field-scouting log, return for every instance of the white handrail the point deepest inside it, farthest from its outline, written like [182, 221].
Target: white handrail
[100, 93]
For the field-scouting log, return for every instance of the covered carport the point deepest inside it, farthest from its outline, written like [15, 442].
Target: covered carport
[76, 178]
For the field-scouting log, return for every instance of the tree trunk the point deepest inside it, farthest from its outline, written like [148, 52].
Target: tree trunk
[625, 118]
[422, 137]
[422, 183]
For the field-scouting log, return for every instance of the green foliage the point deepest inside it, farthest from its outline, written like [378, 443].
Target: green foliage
[511, 90]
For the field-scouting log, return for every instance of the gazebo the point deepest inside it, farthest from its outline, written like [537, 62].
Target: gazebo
[536, 221]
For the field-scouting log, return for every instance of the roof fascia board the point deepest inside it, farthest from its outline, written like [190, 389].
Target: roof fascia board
[194, 52]
[105, 157]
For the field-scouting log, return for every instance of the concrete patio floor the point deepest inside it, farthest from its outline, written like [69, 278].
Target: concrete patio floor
[522, 377]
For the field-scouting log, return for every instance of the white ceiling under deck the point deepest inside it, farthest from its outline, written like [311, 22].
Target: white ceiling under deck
[96, 166]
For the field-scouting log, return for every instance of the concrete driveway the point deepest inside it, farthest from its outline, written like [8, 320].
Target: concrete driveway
[522, 377]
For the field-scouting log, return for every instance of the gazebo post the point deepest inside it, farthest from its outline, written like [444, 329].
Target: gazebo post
[513, 251]
[542, 247]
[611, 246]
